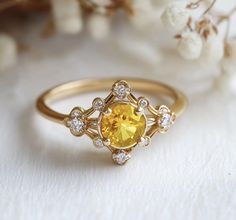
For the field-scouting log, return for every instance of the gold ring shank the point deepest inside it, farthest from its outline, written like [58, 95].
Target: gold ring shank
[88, 86]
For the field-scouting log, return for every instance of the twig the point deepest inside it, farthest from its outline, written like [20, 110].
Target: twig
[194, 5]
[209, 8]
[227, 30]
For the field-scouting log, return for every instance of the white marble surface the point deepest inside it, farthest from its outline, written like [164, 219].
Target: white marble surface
[45, 173]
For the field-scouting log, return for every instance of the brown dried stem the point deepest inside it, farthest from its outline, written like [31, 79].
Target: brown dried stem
[209, 8]
[194, 5]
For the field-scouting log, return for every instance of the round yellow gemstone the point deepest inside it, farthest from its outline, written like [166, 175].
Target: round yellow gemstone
[123, 127]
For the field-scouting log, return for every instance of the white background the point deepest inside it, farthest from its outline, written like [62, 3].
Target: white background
[45, 173]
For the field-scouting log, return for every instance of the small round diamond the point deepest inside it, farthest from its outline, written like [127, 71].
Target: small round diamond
[121, 89]
[143, 102]
[98, 104]
[120, 157]
[166, 118]
[76, 112]
[98, 142]
[144, 141]
[77, 124]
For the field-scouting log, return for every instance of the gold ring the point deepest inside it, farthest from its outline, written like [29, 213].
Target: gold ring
[124, 121]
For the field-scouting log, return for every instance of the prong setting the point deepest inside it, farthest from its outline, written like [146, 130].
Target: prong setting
[107, 112]
[107, 142]
[139, 111]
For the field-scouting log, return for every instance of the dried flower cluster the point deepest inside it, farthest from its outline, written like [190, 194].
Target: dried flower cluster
[73, 16]
[199, 38]
[194, 23]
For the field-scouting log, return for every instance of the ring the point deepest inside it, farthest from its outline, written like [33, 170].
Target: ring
[123, 121]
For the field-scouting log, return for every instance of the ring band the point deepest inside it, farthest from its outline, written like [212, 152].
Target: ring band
[124, 121]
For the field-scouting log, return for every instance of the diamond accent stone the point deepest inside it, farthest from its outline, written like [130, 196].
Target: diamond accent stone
[98, 142]
[120, 157]
[166, 118]
[144, 141]
[98, 104]
[143, 102]
[165, 121]
[77, 124]
[121, 90]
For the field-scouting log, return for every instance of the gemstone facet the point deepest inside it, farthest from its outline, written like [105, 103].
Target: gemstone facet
[123, 127]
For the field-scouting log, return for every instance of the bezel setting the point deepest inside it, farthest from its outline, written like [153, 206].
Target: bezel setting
[138, 123]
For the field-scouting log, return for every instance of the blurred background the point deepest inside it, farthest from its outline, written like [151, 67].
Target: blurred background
[190, 173]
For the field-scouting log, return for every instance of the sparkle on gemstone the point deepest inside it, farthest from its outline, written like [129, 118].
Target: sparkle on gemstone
[123, 127]
[120, 157]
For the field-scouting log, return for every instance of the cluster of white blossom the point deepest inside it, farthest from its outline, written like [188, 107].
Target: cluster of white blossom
[73, 16]
[199, 38]
[192, 42]
[68, 15]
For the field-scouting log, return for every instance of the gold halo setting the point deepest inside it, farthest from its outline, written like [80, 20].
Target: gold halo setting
[124, 121]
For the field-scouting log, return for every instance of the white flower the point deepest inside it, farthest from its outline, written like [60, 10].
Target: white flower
[67, 16]
[190, 45]
[176, 15]
[143, 14]
[99, 26]
[8, 51]
[212, 50]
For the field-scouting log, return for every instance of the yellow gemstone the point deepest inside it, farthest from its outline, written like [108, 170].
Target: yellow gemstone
[123, 127]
